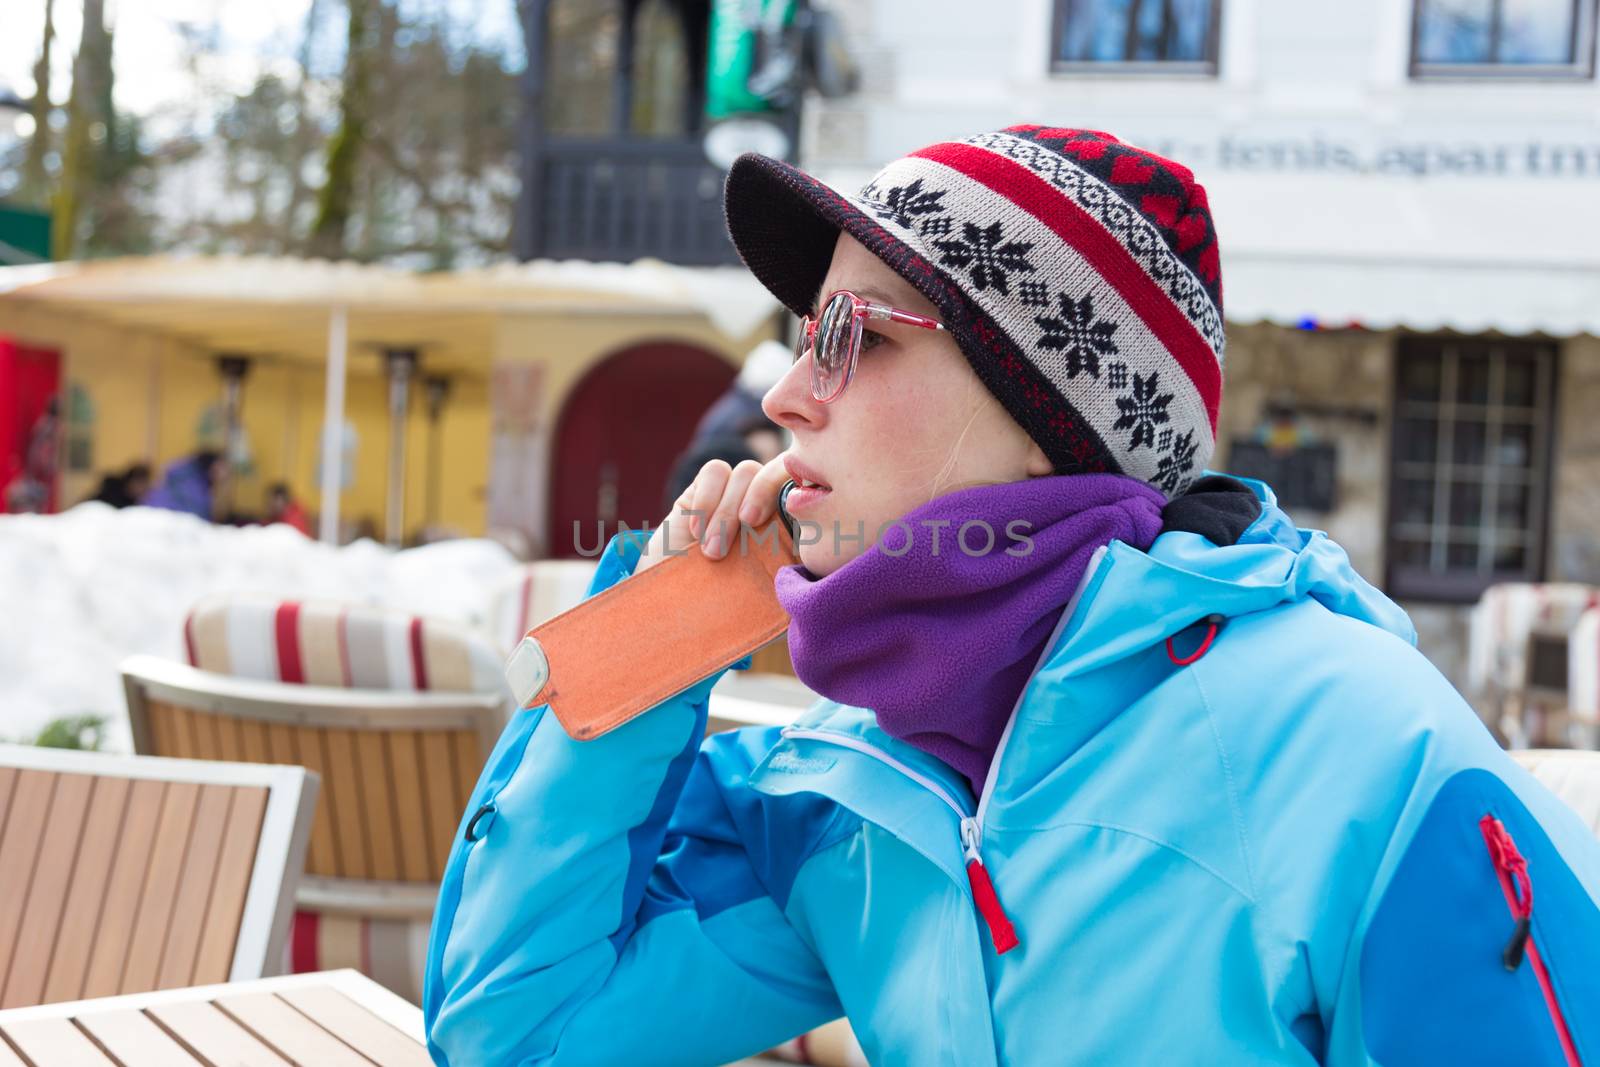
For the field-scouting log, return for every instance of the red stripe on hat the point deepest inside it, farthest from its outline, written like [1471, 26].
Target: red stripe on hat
[1084, 233]
[287, 627]
[303, 942]
[419, 669]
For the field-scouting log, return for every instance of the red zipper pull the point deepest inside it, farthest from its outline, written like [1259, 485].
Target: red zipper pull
[1508, 861]
[1001, 932]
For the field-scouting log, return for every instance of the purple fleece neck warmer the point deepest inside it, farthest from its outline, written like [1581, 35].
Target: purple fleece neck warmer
[937, 636]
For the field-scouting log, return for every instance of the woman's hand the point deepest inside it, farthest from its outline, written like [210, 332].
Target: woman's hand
[720, 498]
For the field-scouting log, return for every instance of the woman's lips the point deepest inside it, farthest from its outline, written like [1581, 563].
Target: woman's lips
[802, 474]
[802, 497]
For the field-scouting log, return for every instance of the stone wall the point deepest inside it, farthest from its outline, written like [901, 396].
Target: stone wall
[1332, 377]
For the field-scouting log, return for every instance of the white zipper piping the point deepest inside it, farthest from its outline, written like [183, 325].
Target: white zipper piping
[971, 834]
[847, 741]
[1049, 646]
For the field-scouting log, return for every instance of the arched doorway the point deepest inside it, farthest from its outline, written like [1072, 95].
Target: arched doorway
[620, 430]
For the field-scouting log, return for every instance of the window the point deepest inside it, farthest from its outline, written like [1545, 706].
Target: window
[1469, 485]
[1503, 37]
[1166, 34]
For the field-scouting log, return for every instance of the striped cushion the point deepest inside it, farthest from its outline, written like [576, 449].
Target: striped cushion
[349, 646]
[1505, 617]
[539, 591]
[391, 952]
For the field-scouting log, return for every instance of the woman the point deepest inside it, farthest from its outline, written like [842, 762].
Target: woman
[1154, 777]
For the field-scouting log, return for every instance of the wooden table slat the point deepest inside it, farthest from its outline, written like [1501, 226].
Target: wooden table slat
[193, 892]
[296, 1037]
[52, 877]
[69, 961]
[27, 816]
[156, 899]
[135, 1041]
[214, 1035]
[357, 1027]
[119, 898]
[56, 1043]
[214, 960]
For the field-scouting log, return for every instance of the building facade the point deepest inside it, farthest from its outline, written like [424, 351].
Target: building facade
[1405, 193]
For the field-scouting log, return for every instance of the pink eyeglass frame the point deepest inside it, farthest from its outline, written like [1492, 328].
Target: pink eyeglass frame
[860, 311]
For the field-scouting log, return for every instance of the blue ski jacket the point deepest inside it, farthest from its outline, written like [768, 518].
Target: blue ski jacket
[1236, 818]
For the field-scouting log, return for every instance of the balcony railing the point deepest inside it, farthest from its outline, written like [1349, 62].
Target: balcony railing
[616, 199]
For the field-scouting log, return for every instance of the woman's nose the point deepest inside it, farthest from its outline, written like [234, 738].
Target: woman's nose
[790, 403]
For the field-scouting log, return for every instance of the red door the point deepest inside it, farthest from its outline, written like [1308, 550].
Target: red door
[30, 386]
[622, 428]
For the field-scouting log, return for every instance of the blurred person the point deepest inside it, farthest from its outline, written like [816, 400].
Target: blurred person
[190, 484]
[283, 507]
[32, 491]
[754, 437]
[1146, 775]
[125, 489]
[763, 367]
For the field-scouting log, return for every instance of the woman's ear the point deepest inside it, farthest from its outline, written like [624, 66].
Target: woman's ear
[1037, 464]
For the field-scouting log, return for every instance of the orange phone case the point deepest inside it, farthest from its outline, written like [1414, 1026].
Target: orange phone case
[654, 634]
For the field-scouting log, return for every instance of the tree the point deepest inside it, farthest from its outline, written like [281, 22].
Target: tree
[35, 187]
[336, 200]
[90, 77]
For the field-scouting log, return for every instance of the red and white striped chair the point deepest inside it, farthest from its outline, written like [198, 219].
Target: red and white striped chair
[350, 646]
[538, 591]
[1516, 629]
[394, 711]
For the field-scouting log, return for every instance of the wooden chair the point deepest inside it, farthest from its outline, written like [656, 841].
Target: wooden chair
[125, 874]
[397, 769]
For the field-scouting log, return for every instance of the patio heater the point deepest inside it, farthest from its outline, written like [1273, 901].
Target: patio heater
[400, 365]
[234, 369]
[435, 391]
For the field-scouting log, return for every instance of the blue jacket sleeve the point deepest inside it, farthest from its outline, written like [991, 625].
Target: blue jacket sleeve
[622, 898]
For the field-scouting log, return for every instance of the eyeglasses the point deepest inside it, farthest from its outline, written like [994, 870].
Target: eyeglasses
[834, 340]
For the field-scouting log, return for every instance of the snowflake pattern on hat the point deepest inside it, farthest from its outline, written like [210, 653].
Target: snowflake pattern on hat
[1078, 335]
[1079, 275]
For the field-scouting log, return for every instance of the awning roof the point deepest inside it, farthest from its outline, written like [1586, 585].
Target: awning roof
[1514, 256]
[280, 307]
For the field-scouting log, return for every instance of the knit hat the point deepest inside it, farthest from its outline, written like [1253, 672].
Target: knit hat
[1078, 275]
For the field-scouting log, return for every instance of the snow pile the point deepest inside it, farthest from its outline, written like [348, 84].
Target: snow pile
[81, 590]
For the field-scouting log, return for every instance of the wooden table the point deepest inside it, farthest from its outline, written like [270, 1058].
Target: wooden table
[330, 1019]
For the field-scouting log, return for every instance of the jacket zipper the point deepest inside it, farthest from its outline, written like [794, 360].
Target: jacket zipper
[1001, 932]
[1517, 885]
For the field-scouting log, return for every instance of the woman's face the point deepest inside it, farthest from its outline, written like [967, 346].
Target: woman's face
[914, 423]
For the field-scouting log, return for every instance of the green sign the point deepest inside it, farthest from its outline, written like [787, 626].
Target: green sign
[24, 235]
[731, 53]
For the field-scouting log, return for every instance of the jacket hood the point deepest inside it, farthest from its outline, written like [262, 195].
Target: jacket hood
[1132, 600]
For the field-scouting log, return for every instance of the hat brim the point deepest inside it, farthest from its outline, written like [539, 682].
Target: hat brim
[785, 224]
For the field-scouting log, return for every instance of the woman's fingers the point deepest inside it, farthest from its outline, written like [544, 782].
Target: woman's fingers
[761, 498]
[711, 509]
[705, 494]
[722, 525]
